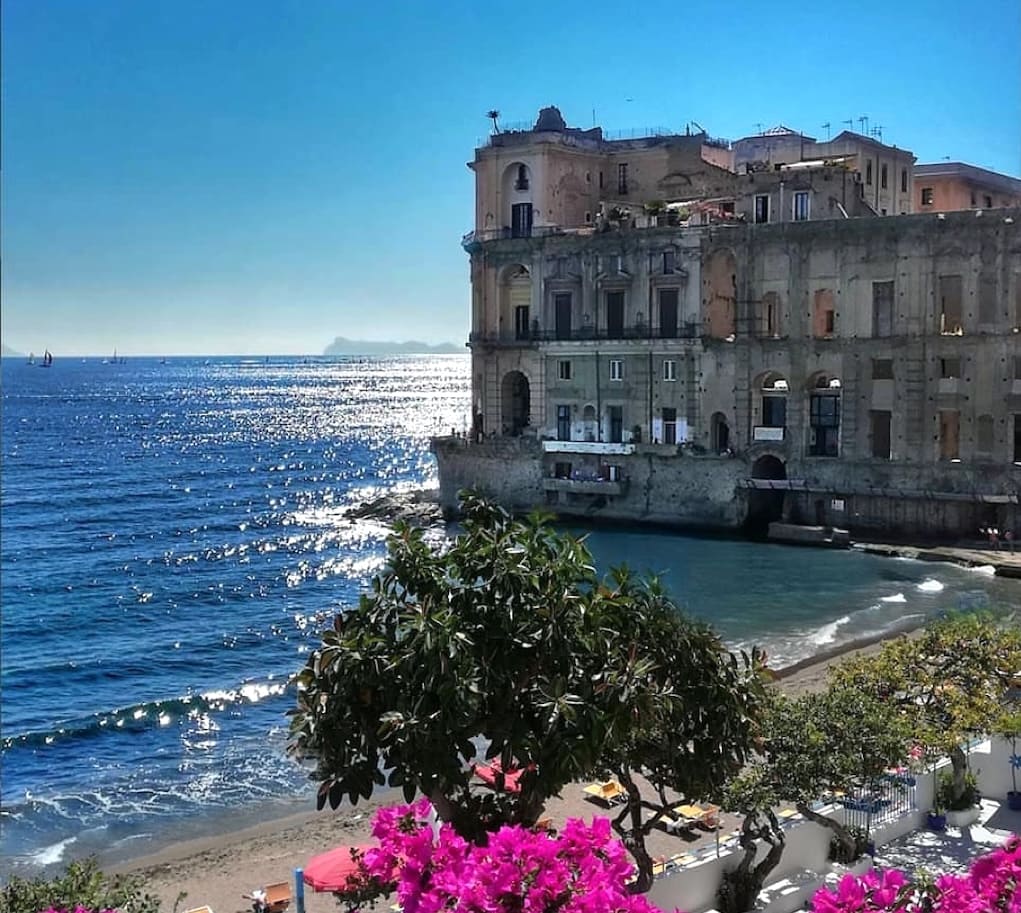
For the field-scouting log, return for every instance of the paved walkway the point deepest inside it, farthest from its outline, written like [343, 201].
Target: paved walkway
[1006, 563]
[954, 849]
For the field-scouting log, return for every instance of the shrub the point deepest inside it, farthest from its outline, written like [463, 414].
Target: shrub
[969, 797]
[81, 888]
[839, 853]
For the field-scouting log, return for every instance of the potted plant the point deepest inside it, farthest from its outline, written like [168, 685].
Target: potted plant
[1010, 728]
[962, 809]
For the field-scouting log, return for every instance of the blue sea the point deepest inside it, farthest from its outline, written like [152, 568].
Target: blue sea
[175, 534]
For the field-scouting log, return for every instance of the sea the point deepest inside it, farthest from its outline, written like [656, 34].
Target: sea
[175, 533]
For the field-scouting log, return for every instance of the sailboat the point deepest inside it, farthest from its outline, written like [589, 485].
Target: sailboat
[47, 361]
[31, 358]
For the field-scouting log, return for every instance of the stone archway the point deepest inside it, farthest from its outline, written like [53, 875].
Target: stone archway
[516, 401]
[765, 505]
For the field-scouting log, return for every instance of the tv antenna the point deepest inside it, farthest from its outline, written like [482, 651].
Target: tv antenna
[849, 122]
[877, 132]
[826, 127]
[758, 126]
[863, 124]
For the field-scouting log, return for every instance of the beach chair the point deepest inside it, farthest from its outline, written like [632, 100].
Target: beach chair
[278, 897]
[609, 792]
[203, 909]
[544, 824]
[710, 817]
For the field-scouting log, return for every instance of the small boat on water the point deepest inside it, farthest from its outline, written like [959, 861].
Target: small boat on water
[47, 361]
[31, 358]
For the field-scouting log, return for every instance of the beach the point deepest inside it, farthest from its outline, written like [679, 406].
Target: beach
[217, 870]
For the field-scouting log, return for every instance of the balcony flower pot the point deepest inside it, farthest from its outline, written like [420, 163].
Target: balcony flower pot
[1014, 800]
[937, 821]
[964, 817]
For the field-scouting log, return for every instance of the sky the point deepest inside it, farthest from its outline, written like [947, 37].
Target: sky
[260, 176]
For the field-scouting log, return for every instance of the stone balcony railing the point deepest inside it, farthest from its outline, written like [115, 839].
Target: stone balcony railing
[687, 330]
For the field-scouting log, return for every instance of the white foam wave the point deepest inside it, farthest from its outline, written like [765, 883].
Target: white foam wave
[828, 633]
[988, 569]
[48, 855]
[930, 586]
[896, 597]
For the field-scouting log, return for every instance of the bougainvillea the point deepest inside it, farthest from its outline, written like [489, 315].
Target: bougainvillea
[583, 869]
[992, 885]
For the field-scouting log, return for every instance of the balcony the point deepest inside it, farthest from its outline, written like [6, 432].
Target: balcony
[584, 334]
[587, 486]
[596, 447]
[767, 433]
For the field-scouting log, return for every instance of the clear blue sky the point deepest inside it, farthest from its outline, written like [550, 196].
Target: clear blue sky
[257, 176]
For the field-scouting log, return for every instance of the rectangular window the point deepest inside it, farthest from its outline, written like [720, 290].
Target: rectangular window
[616, 369]
[669, 370]
[882, 176]
[522, 329]
[616, 416]
[615, 315]
[880, 435]
[1017, 367]
[774, 411]
[622, 178]
[882, 369]
[801, 205]
[562, 470]
[668, 262]
[600, 180]
[950, 312]
[868, 172]
[988, 200]
[824, 425]
[949, 434]
[903, 180]
[824, 320]
[669, 425]
[950, 367]
[668, 313]
[882, 308]
[761, 208]
[563, 423]
[563, 370]
[562, 315]
[987, 299]
[927, 196]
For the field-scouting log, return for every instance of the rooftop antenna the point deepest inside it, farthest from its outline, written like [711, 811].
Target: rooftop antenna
[877, 132]
[849, 122]
[863, 125]
[698, 126]
[826, 127]
[758, 126]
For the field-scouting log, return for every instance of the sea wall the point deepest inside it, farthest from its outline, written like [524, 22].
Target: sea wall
[508, 470]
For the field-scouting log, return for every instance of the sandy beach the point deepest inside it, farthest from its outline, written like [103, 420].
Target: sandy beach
[217, 870]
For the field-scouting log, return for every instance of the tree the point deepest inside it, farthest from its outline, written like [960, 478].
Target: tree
[506, 641]
[752, 794]
[839, 739]
[687, 710]
[81, 885]
[494, 116]
[948, 683]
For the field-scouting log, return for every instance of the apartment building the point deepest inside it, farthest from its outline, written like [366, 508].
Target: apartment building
[952, 186]
[650, 349]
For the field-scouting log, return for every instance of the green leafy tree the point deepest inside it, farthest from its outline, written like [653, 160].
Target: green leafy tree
[839, 739]
[83, 884]
[506, 639]
[753, 795]
[948, 682]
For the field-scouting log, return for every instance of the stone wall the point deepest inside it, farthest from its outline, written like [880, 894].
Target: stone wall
[508, 470]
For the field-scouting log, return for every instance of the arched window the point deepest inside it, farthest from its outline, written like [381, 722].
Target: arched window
[774, 402]
[719, 433]
[522, 182]
[824, 416]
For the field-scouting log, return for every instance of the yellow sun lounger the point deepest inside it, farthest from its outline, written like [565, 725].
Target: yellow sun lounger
[609, 792]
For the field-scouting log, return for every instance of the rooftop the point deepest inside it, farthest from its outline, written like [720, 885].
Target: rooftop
[992, 179]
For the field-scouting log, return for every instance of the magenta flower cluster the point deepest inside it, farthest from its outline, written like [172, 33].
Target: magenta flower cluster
[992, 885]
[582, 870]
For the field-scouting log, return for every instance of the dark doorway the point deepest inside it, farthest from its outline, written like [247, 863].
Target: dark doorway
[765, 505]
[521, 220]
[562, 317]
[521, 321]
[615, 315]
[516, 403]
[668, 313]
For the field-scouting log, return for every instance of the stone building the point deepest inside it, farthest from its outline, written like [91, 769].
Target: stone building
[668, 357]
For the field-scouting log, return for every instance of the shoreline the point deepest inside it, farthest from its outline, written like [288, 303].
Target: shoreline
[218, 868]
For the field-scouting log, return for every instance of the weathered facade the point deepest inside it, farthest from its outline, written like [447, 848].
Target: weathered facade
[678, 367]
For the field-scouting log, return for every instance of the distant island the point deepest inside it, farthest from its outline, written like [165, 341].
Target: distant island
[8, 352]
[342, 346]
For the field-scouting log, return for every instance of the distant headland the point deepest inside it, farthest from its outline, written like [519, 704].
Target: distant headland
[342, 346]
[8, 352]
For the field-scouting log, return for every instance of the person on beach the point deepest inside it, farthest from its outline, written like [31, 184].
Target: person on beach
[1008, 537]
[994, 537]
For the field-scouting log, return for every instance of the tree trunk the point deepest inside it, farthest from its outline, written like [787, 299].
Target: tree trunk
[840, 831]
[633, 837]
[745, 882]
[959, 768]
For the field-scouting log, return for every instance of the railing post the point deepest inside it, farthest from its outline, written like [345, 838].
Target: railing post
[299, 890]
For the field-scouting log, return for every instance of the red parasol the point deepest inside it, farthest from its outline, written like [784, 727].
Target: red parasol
[331, 870]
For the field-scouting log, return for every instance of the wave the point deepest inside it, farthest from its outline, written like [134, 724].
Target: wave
[51, 854]
[896, 597]
[150, 715]
[827, 634]
[930, 586]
